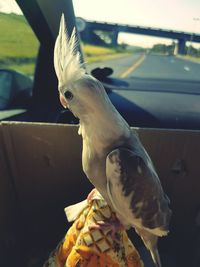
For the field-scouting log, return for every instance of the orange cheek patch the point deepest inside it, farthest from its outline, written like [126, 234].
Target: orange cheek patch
[63, 101]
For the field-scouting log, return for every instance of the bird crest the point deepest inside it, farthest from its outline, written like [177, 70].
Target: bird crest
[67, 57]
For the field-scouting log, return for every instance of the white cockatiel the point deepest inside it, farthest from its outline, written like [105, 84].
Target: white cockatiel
[113, 158]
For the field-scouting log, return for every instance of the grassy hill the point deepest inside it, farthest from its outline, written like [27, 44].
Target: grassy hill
[19, 46]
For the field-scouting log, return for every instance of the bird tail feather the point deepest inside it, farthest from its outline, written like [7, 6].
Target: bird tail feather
[155, 257]
[150, 241]
[66, 56]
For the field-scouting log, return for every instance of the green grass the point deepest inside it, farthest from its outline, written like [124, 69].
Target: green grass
[97, 53]
[23, 68]
[19, 46]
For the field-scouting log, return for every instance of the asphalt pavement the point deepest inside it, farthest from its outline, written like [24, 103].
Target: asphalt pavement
[152, 66]
[119, 65]
[167, 67]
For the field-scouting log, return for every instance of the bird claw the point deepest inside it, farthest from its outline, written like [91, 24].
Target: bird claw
[91, 195]
[113, 228]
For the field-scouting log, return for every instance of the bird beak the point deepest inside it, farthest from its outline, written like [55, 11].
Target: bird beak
[63, 101]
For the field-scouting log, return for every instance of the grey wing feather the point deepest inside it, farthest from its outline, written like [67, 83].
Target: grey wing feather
[135, 190]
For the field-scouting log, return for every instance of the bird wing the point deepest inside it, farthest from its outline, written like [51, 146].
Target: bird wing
[135, 192]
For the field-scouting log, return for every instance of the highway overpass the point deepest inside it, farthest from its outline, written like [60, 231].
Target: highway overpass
[182, 37]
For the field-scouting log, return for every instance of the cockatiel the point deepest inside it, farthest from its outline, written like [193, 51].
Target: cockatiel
[113, 158]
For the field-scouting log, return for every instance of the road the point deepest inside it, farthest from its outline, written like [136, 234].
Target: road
[168, 67]
[152, 67]
[119, 65]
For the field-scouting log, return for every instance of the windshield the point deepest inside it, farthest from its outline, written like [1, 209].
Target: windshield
[142, 40]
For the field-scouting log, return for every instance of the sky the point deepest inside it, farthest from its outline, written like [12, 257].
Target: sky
[182, 15]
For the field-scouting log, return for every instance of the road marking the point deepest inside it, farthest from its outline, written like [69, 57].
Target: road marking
[186, 68]
[133, 67]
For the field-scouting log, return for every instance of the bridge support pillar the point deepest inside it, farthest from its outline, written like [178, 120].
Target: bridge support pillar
[181, 47]
[114, 38]
[86, 35]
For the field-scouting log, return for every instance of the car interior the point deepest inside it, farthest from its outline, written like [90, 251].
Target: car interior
[166, 117]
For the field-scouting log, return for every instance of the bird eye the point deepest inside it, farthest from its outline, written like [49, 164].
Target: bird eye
[68, 95]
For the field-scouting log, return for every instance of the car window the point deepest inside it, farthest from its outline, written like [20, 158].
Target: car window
[18, 44]
[5, 84]
[142, 40]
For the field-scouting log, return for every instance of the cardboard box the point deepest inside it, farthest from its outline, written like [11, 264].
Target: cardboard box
[41, 173]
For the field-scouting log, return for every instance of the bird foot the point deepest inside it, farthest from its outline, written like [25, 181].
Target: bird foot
[113, 227]
[91, 195]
